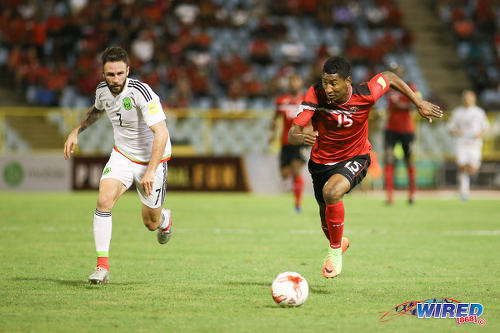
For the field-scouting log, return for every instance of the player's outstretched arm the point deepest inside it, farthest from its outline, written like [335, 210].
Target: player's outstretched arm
[298, 136]
[72, 141]
[426, 109]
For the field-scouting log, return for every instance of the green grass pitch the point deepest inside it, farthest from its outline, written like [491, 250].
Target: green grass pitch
[216, 272]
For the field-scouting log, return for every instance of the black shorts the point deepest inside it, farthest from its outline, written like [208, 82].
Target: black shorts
[354, 169]
[291, 152]
[406, 139]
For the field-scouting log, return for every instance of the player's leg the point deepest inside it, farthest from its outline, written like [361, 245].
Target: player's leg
[463, 175]
[345, 177]
[324, 227]
[154, 216]
[298, 181]
[389, 143]
[114, 182]
[407, 143]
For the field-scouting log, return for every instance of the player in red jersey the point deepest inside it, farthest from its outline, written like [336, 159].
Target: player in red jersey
[292, 158]
[340, 154]
[399, 128]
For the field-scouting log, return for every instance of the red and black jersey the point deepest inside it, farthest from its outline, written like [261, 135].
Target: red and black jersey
[287, 106]
[399, 105]
[342, 129]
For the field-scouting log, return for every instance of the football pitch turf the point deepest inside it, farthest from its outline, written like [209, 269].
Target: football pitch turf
[216, 272]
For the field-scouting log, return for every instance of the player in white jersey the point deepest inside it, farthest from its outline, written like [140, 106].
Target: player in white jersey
[468, 124]
[142, 149]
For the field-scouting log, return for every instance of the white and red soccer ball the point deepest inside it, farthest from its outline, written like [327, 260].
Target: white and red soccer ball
[289, 289]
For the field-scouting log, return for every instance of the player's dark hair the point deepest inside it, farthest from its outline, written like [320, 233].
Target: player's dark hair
[337, 65]
[114, 54]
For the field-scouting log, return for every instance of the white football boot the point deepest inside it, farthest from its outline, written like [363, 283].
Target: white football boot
[100, 276]
[164, 235]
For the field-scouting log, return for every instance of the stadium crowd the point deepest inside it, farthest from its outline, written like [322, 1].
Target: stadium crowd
[231, 54]
[474, 24]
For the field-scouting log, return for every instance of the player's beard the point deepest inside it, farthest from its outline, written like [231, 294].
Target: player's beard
[117, 88]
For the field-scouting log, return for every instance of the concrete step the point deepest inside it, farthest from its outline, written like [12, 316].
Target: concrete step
[37, 131]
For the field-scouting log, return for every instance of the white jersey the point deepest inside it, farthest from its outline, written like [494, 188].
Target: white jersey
[469, 122]
[132, 113]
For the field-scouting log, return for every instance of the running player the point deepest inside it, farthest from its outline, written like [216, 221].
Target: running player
[292, 157]
[469, 124]
[399, 128]
[142, 149]
[340, 153]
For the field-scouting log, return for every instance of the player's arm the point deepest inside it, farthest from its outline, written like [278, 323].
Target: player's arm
[300, 135]
[425, 109]
[160, 133]
[72, 141]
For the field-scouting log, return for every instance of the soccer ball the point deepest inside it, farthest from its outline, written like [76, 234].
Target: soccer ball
[289, 289]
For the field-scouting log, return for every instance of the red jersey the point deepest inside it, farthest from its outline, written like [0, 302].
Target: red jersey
[343, 128]
[287, 106]
[399, 105]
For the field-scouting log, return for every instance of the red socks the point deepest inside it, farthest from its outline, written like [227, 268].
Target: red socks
[298, 187]
[324, 227]
[411, 176]
[334, 216]
[389, 181]
[103, 262]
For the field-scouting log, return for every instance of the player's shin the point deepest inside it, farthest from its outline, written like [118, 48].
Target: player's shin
[324, 227]
[389, 181]
[298, 187]
[413, 184]
[334, 216]
[102, 237]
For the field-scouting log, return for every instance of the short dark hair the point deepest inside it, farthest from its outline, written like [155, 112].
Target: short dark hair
[337, 65]
[114, 54]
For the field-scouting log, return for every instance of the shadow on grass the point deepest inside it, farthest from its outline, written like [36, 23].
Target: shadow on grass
[312, 290]
[74, 283]
[247, 283]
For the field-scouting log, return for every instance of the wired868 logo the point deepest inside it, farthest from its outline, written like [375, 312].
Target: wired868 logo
[439, 308]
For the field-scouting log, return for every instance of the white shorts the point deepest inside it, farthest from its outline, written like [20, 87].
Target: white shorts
[121, 168]
[469, 154]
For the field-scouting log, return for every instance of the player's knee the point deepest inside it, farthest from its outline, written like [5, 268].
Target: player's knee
[105, 202]
[332, 194]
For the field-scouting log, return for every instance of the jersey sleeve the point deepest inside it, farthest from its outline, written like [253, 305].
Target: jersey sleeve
[149, 105]
[306, 108]
[98, 103]
[378, 86]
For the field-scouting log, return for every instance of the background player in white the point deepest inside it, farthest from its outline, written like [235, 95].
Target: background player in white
[469, 124]
[142, 148]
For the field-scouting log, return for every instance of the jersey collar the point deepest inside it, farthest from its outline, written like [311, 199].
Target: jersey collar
[350, 95]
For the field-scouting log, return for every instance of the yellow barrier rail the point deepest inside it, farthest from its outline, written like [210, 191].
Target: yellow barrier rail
[71, 118]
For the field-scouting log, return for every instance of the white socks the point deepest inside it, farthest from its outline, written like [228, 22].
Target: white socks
[165, 219]
[102, 232]
[464, 183]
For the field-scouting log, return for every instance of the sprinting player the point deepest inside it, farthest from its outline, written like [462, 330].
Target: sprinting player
[399, 128]
[142, 149]
[340, 153]
[292, 158]
[469, 124]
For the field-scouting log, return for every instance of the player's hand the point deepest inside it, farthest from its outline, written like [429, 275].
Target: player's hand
[310, 138]
[147, 182]
[70, 144]
[428, 111]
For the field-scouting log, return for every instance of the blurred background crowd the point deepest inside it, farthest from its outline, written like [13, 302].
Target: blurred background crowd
[228, 54]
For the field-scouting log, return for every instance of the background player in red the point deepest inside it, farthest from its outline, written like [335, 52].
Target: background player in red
[340, 155]
[292, 158]
[399, 128]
